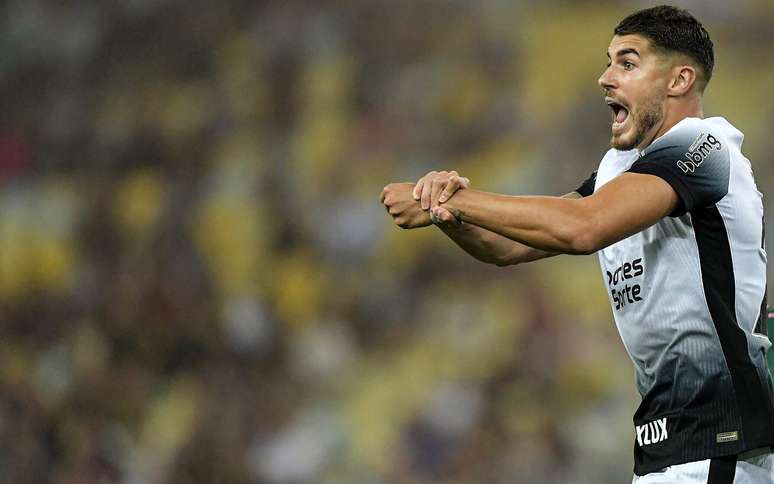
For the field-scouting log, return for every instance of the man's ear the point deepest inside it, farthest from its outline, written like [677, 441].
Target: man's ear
[683, 79]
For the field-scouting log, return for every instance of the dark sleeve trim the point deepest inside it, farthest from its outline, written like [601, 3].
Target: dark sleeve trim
[677, 184]
[587, 188]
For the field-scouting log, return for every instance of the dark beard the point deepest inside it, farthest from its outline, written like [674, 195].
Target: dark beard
[646, 118]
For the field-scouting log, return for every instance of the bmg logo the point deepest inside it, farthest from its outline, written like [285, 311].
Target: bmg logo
[698, 152]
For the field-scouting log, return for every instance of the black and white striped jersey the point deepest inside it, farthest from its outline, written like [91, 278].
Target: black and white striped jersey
[687, 295]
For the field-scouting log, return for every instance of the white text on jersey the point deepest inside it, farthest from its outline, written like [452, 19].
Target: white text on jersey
[652, 432]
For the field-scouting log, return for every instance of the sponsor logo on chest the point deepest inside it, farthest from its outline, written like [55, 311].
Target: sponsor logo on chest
[652, 432]
[624, 283]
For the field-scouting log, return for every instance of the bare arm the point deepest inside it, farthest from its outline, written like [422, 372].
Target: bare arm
[622, 207]
[485, 245]
[491, 247]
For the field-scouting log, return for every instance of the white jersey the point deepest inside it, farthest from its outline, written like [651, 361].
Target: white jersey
[688, 297]
[755, 468]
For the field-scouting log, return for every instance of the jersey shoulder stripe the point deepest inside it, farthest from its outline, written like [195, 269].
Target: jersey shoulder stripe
[694, 159]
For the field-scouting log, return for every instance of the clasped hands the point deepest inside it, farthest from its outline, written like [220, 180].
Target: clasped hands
[414, 205]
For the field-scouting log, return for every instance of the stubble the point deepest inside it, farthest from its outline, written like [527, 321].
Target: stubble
[647, 117]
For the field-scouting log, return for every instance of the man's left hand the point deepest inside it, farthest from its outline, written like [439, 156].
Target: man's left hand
[405, 211]
[444, 219]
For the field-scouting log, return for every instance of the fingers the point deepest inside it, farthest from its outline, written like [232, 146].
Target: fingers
[425, 197]
[448, 191]
[435, 191]
[443, 218]
[384, 194]
[400, 200]
[399, 204]
[417, 192]
[437, 187]
[446, 187]
[421, 185]
[446, 216]
[455, 183]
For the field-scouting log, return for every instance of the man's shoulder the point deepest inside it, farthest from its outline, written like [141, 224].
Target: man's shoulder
[687, 134]
[681, 136]
[694, 158]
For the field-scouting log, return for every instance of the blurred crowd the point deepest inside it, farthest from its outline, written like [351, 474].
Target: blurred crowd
[198, 284]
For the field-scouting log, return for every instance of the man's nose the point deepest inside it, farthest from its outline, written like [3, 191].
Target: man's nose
[607, 80]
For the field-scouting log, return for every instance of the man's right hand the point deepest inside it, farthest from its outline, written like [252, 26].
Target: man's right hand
[404, 209]
[437, 187]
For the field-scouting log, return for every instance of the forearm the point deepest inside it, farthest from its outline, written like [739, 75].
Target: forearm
[551, 224]
[490, 247]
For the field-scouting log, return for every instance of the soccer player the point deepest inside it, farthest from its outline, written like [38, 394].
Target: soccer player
[677, 221]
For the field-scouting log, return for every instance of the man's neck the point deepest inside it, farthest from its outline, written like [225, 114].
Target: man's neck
[675, 112]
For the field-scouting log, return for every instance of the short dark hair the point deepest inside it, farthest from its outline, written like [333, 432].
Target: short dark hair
[673, 29]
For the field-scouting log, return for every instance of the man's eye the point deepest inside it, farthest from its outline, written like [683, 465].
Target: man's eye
[628, 65]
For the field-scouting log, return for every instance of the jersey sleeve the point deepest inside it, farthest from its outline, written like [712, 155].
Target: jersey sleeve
[587, 187]
[694, 161]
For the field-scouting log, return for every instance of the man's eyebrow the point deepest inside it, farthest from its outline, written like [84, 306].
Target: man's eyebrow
[628, 50]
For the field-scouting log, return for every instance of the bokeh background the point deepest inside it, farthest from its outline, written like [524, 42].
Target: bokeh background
[198, 284]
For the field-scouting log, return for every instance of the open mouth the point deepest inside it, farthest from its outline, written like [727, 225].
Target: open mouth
[620, 113]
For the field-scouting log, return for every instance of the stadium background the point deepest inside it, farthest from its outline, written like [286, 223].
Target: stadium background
[198, 284]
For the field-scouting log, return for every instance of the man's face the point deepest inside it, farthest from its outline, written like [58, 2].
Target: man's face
[635, 84]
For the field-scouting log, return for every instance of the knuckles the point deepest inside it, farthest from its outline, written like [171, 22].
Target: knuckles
[441, 176]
